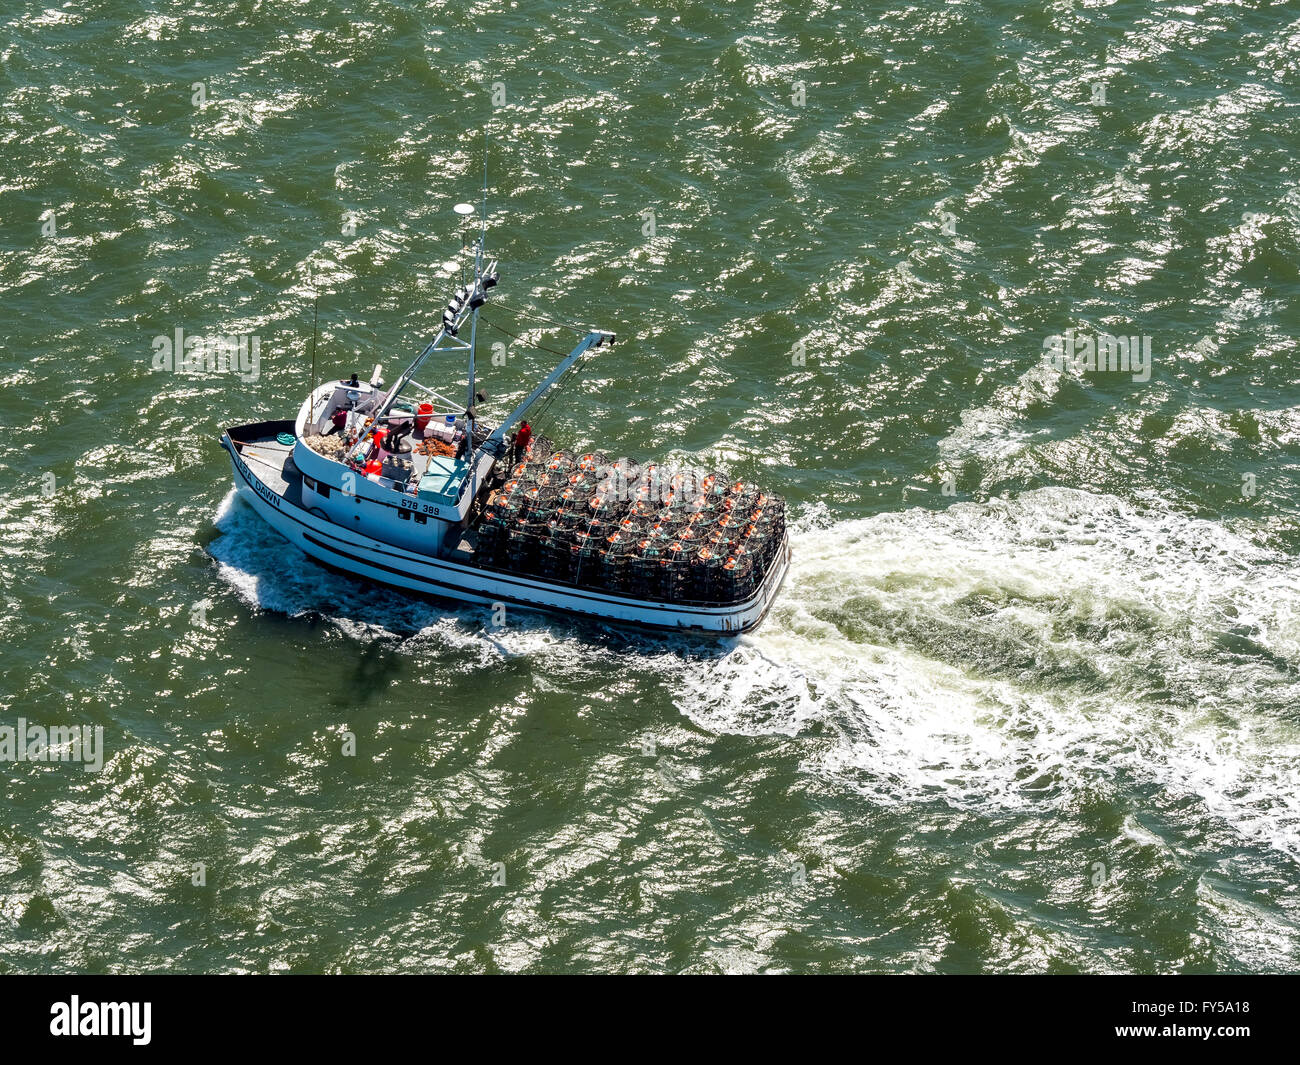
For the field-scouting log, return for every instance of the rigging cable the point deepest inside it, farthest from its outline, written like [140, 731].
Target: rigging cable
[518, 337]
[541, 318]
[576, 370]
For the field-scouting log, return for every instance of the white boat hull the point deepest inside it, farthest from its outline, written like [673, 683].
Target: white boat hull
[346, 550]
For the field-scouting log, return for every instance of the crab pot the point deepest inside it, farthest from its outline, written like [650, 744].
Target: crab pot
[560, 462]
[586, 556]
[671, 577]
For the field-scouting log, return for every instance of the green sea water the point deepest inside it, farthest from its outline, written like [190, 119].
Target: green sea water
[1028, 700]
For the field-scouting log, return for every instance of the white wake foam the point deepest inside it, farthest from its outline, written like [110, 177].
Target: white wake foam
[1024, 651]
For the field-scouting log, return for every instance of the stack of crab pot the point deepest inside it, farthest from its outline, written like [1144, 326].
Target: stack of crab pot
[650, 532]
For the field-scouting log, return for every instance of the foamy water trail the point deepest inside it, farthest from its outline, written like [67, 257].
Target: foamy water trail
[1022, 652]
[1010, 655]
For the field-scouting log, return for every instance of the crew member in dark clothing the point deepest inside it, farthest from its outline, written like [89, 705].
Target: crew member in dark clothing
[397, 433]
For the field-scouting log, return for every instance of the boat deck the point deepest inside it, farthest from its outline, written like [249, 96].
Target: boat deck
[271, 462]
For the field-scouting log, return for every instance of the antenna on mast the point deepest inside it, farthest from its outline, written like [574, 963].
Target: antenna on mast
[311, 401]
[482, 240]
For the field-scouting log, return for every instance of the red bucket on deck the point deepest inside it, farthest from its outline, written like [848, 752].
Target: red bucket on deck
[422, 416]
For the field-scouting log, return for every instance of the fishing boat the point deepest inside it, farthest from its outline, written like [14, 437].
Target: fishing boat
[407, 487]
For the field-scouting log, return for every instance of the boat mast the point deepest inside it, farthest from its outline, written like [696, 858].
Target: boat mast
[470, 416]
[311, 401]
[478, 271]
[465, 304]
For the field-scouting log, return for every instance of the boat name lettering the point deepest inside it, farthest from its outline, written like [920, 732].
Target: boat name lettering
[258, 487]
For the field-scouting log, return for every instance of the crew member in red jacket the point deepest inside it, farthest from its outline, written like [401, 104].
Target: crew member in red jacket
[522, 437]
